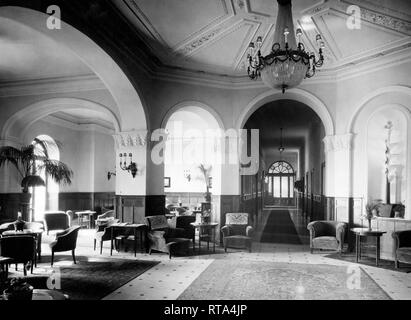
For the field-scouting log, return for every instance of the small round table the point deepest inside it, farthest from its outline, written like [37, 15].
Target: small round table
[85, 217]
[205, 226]
[365, 232]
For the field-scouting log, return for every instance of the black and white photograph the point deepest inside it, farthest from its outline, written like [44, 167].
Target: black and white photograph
[202, 155]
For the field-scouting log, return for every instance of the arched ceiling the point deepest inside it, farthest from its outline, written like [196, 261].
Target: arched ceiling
[213, 35]
[29, 55]
[294, 117]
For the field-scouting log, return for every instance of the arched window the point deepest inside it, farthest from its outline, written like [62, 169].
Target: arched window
[45, 197]
[280, 179]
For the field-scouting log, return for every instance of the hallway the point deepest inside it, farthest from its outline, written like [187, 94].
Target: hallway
[284, 226]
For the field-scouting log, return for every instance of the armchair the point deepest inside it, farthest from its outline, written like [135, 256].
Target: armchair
[184, 222]
[57, 220]
[105, 217]
[236, 232]
[65, 241]
[328, 235]
[402, 249]
[103, 233]
[164, 238]
[22, 249]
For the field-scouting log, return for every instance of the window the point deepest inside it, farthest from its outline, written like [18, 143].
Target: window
[281, 178]
[45, 198]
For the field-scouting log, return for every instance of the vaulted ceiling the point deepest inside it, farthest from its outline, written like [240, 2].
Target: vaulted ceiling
[213, 35]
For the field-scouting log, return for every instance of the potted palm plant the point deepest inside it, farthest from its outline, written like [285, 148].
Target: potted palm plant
[30, 161]
[371, 211]
[206, 171]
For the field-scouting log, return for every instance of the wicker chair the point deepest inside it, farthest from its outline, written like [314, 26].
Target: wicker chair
[327, 235]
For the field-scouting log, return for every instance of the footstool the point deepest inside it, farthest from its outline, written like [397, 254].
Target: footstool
[179, 246]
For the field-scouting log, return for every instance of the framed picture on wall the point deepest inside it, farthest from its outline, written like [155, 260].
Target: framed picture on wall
[167, 182]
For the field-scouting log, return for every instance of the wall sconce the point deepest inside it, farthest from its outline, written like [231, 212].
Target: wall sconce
[187, 175]
[132, 167]
[109, 174]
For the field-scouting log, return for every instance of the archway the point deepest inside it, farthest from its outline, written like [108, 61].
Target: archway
[194, 133]
[384, 103]
[16, 126]
[290, 139]
[132, 115]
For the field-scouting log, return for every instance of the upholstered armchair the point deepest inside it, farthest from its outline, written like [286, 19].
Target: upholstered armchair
[105, 217]
[327, 235]
[65, 241]
[184, 222]
[22, 249]
[236, 232]
[103, 233]
[402, 247]
[58, 220]
[164, 238]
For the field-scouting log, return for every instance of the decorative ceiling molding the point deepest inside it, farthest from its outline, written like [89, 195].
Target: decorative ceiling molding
[97, 127]
[378, 18]
[51, 85]
[129, 139]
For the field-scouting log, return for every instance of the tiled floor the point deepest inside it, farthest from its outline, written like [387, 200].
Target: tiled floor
[170, 278]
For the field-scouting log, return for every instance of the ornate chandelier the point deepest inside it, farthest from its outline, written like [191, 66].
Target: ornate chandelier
[288, 63]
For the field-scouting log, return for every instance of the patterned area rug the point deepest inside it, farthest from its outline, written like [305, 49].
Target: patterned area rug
[93, 280]
[370, 261]
[260, 280]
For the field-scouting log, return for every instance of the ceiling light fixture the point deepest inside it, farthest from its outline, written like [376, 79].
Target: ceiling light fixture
[288, 63]
[281, 148]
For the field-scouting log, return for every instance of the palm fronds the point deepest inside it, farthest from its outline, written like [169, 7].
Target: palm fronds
[33, 159]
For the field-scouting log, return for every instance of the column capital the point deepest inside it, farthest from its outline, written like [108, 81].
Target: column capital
[338, 142]
[137, 138]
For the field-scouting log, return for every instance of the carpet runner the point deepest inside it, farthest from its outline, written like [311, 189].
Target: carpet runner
[280, 228]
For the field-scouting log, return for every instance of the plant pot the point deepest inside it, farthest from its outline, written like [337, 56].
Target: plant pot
[24, 205]
[19, 295]
[205, 219]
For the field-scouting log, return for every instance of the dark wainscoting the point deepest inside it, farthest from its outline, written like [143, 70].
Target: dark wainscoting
[134, 209]
[77, 201]
[10, 204]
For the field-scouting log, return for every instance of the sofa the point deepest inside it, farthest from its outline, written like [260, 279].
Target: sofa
[327, 235]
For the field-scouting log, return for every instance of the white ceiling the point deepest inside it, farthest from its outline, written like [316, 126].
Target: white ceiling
[27, 55]
[213, 35]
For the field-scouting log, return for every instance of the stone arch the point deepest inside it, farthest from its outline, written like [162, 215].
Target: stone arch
[17, 125]
[390, 95]
[296, 94]
[188, 104]
[132, 111]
